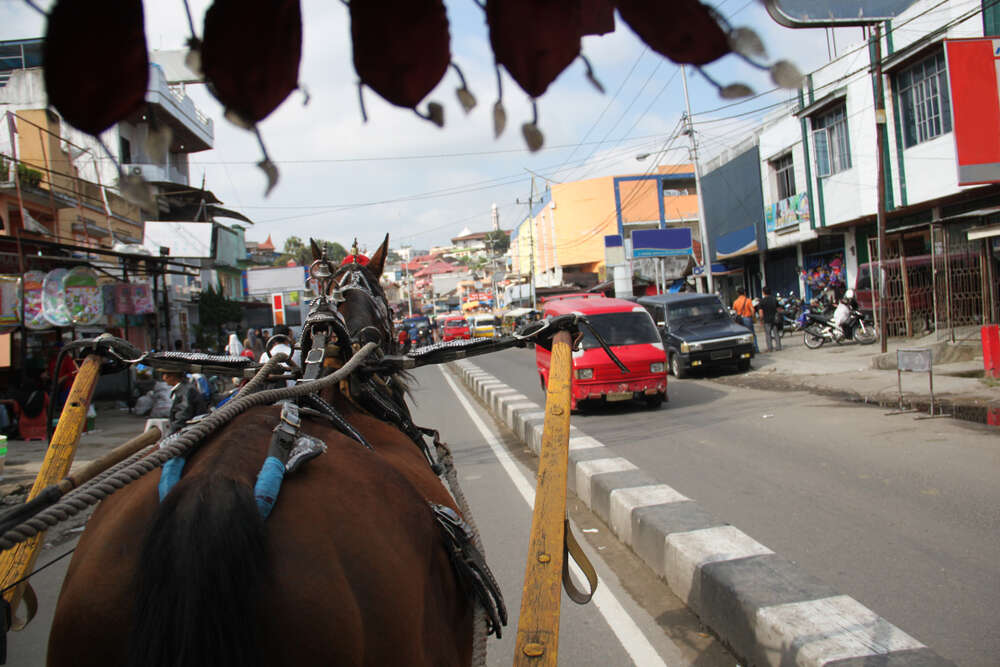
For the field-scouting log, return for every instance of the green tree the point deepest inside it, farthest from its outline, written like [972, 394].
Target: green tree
[497, 242]
[216, 311]
[297, 250]
[301, 252]
[334, 251]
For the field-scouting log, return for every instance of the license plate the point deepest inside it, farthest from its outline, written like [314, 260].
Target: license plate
[618, 396]
[722, 354]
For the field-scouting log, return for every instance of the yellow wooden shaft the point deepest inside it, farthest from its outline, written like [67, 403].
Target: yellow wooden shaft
[17, 562]
[538, 623]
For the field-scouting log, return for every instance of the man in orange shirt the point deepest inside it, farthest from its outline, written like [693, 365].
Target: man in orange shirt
[743, 306]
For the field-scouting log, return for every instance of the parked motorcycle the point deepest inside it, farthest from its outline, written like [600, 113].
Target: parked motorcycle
[791, 314]
[820, 329]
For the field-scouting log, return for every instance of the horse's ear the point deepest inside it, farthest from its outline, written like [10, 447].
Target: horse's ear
[317, 251]
[377, 261]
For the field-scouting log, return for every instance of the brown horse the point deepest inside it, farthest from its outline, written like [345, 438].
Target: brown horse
[349, 569]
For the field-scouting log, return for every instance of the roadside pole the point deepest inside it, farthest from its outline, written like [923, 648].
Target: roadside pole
[706, 255]
[880, 185]
[531, 237]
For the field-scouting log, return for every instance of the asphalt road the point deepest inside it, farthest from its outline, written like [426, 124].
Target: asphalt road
[902, 515]
[633, 619]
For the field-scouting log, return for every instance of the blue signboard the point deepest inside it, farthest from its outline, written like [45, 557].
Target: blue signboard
[612, 240]
[662, 242]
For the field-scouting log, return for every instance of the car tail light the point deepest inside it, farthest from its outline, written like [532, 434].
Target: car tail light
[584, 373]
[658, 367]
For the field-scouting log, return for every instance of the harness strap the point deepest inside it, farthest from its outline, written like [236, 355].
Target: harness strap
[283, 438]
[314, 358]
[470, 567]
[572, 548]
[324, 409]
[382, 407]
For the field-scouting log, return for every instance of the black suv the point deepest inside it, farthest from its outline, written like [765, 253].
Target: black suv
[698, 332]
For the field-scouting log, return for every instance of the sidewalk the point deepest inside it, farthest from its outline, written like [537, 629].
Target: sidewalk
[24, 458]
[861, 373]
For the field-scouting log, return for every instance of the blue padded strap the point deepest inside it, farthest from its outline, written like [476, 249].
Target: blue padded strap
[268, 485]
[170, 474]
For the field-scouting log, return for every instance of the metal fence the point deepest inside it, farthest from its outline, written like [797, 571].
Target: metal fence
[955, 286]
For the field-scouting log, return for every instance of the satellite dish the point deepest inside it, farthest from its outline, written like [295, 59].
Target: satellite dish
[834, 13]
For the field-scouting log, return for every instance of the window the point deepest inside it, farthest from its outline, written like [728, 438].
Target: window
[620, 329]
[833, 147]
[784, 173]
[125, 147]
[923, 100]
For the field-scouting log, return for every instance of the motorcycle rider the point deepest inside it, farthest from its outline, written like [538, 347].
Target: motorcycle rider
[842, 314]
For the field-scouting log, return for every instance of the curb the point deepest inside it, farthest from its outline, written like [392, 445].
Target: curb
[761, 605]
[970, 410]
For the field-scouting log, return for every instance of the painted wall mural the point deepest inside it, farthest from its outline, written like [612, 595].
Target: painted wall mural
[788, 212]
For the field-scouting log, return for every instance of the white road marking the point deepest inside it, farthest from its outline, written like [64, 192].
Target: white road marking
[632, 639]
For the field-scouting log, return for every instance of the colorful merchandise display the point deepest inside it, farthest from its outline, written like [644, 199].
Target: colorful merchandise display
[54, 298]
[84, 302]
[10, 294]
[33, 286]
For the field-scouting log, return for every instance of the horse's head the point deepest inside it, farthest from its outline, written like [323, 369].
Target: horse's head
[365, 307]
[353, 289]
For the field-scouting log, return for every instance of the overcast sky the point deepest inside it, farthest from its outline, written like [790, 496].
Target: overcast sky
[342, 178]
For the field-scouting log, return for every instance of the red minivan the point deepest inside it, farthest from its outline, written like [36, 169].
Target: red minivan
[630, 332]
[454, 327]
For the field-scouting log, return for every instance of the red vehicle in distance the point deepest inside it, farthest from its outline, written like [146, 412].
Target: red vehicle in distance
[454, 327]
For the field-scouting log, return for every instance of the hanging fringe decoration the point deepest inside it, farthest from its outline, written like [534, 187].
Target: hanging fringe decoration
[402, 49]
[96, 66]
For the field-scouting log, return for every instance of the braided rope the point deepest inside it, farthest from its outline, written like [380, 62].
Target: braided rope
[175, 445]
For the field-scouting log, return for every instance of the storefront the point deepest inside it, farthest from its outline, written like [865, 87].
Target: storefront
[51, 293]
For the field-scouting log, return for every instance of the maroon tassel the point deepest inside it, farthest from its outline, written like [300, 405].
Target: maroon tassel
[95, 63]
[250, 54]
[402, 48]
[683, 30]
[535, 40]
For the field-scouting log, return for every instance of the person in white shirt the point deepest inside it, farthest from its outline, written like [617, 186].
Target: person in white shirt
[843, 312]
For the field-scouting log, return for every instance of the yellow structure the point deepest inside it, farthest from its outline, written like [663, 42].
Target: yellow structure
[76, 205]
[565, 231]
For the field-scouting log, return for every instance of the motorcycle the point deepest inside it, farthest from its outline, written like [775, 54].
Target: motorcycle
[820, 329]
[791, 314]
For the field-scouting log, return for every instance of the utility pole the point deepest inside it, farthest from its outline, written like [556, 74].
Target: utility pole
[531, 229]
[880, 185]
[706, 255]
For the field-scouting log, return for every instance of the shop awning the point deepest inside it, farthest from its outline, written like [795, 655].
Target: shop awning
[469, 305]
[977, 213]
[983, 232]
[719, 269]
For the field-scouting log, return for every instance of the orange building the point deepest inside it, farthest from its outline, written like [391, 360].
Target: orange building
[564, 234]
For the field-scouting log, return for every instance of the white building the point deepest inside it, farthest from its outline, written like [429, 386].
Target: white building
[818, 178]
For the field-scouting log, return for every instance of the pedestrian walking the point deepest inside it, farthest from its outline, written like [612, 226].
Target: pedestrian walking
[770, 311]
[743, 306]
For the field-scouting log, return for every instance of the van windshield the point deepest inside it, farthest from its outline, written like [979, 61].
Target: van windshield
[456, 323]
[709, 309]
[620, 329]
[485, 321]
